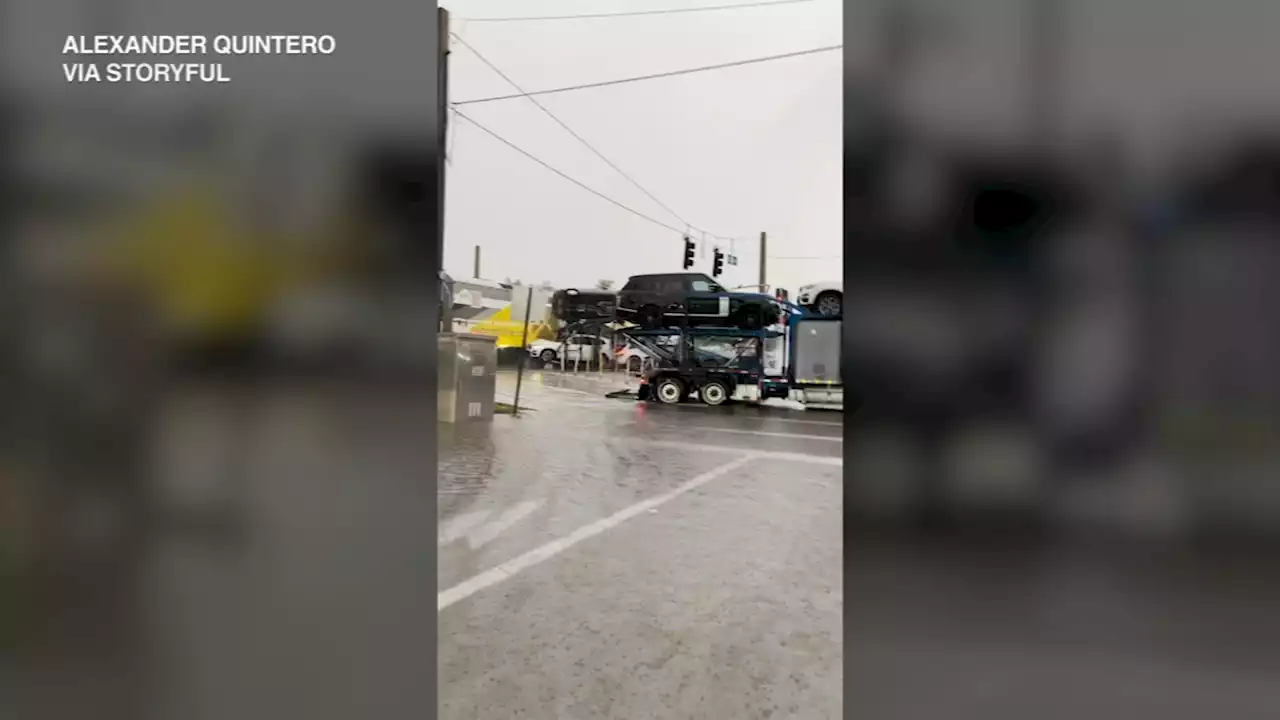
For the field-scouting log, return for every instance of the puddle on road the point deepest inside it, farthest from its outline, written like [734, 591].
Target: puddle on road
[466, 458]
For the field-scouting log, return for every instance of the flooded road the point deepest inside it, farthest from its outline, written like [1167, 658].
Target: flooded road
[603, 558]
[596, 558]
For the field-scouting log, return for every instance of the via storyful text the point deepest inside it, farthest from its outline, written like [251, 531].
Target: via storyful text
[150, 46]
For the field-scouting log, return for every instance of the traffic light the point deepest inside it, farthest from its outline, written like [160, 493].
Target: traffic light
[717, 265]
[688, 253]
[1010, 211]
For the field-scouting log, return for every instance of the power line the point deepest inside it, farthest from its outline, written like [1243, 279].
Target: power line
[593, 191]
[655, 76]
[635, 13]
[453, 134]
[570, 130]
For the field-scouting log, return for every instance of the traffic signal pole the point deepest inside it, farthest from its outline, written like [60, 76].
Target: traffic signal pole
[444, 321]
[1044, 75]
[764, 259]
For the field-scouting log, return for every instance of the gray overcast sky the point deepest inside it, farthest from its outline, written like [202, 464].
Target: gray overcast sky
[733, 151]
[758, 148]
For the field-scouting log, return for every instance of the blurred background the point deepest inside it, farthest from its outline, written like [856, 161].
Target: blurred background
[1060, 492]
[209, 292]
[1061, 227]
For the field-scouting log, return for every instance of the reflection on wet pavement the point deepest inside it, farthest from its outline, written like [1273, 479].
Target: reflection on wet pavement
[723, 601]
[296, 552]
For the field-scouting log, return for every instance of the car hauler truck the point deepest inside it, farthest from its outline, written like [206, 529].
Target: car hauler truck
[812, 361]
[797, 359]
[716, 364]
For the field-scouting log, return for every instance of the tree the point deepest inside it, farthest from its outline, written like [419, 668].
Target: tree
[604, 284]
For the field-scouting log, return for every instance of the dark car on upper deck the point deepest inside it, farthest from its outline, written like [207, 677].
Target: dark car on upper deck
[672, 299]
[572, 305]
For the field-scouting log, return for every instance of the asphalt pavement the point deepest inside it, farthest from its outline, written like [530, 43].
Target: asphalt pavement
[605, 558]
[597, 558]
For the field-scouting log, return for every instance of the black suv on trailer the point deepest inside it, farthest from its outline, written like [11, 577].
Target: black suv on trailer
[572, 305]
[653, 301]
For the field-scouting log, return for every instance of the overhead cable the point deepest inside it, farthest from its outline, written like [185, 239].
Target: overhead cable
[655, 76]
[570, 130]
[584, 186]
[635, 13]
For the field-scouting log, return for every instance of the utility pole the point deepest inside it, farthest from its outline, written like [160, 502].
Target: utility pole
[442, 134]
[476, 272]
[898, 45]
[524, 346]
[1044, 46]
[104, 18]
[764, 258]
[444, 289]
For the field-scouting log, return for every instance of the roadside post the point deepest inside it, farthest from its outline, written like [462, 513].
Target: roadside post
[524, 351]
[598, 351]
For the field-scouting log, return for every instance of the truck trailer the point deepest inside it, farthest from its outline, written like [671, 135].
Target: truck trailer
[797, 359]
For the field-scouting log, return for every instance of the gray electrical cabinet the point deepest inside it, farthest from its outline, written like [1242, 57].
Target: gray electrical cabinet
[816, 351]
[815, 363]
[468, 365]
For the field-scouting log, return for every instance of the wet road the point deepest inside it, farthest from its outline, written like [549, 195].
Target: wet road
[597, 559]
[603, 558]
[688, 565]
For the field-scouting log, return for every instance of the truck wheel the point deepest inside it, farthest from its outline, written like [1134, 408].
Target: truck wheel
[751, 319]
[713, 393]
[650, 317]
[669, 391]
[829, 304]
[548, 356]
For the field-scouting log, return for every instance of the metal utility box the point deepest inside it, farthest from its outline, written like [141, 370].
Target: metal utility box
[468, 365]
[815, 351]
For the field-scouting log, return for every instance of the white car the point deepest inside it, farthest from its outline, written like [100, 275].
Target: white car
[633, 357]
[824, 298]
[575, 348]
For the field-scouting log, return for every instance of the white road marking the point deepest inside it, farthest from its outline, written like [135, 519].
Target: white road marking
[545, 552]
[479, 530]
[737, 450]
[486, 533]
[805, 422]
[765, 433]
[586, 401]
[458, 526]
[572, 391]
[575, 404]
[794, 457]
[761, 418]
